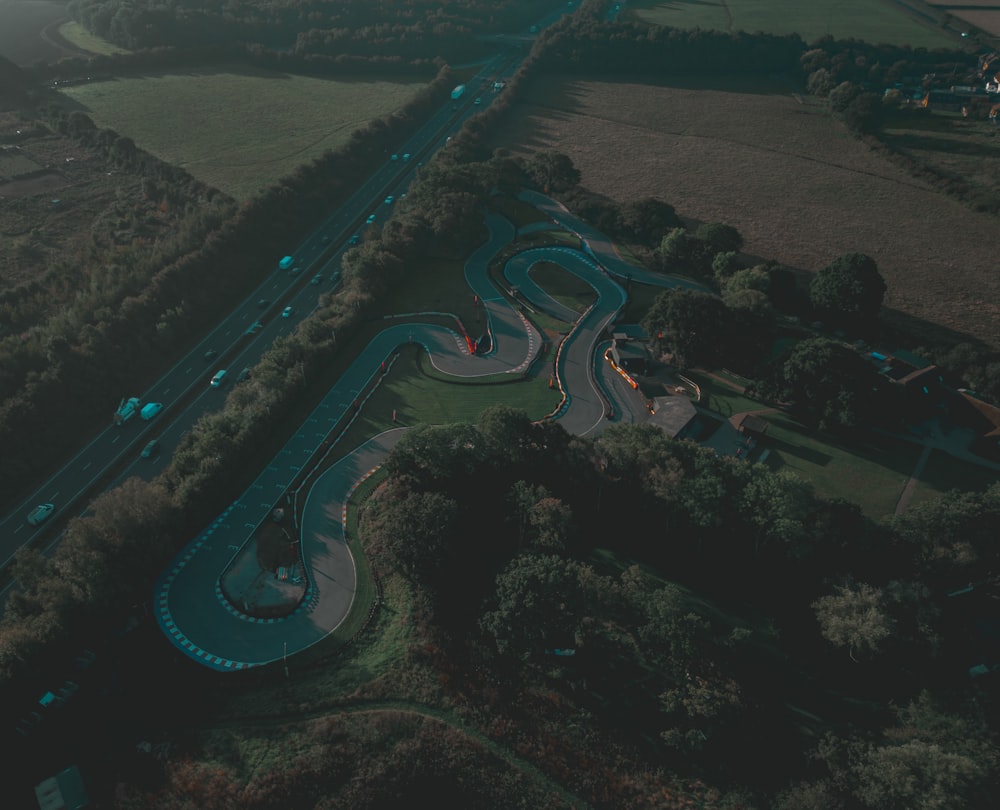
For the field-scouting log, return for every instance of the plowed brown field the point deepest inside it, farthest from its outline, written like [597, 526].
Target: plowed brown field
[779, 168]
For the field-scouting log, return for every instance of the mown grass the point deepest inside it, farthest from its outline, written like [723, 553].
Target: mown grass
[640, 300]
[565, 287]
[519, 212]
[722, 398]
[76, 34]
[872, 20]
[944, 473]
[420, 398]
[871, 475]
[239, 129]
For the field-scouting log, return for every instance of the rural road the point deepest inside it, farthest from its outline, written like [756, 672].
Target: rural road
[189, 603]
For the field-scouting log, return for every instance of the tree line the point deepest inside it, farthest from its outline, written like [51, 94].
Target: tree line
[444, 207]
[149, 305]
[415, 28]
[497, 526]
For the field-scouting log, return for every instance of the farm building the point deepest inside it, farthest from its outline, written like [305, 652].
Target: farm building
[748, 424]
[629, 350]
[65, 791]
[675, 416]
[983, 418]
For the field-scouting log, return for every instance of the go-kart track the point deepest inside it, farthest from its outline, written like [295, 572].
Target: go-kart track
[190, 605]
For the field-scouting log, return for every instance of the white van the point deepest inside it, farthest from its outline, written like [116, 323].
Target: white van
[219, 378]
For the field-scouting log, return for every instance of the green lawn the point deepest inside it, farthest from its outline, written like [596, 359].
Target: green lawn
[872, 475]
[722, 398]
[565, 287]
[872, 20]
[640, 299]
[435, 285]
[420, 398]
[944, 473]
[76, 34]
[239, 129]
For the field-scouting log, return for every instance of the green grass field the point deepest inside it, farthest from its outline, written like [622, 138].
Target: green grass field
[872, 20]
[240, 129]
[944, 473]
[419, 398]
[565, 287]
[76, 34]
[871, 475]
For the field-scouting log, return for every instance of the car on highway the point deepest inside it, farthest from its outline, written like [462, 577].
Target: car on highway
[151, 449]
[325, 239]
[316, 279]
[218, 378]
[255, 327]
[478, 101]
[406, 156]
[287, 312]
[210, 355]
[40, 514]
[263, 303]
[389, 200]
[355, 238]
[370, 220]
[395, 157]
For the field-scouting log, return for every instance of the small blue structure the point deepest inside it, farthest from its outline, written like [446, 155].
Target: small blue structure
[286, 262]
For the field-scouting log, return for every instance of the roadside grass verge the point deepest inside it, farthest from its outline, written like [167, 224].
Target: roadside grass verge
[640, 300]
[548, 237]
[944, 472]
[434, 285]
[565, 287]
[239, 129]
[76, 34]
[519, 212]
[871, 20]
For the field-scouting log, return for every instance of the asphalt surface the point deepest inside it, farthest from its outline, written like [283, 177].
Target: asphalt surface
[112, 454]
[189, 603]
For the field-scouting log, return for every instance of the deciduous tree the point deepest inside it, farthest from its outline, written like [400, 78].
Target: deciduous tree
[849, 291]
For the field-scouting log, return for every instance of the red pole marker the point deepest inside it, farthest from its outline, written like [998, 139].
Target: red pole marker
[383, 366]
[394, 415]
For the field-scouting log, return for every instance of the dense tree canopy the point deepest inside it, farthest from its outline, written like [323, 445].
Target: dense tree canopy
[824, 383]
[849, 291]
[693, 326]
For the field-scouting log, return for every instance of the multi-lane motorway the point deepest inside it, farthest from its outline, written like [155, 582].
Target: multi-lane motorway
[189, 603]
[113, 453]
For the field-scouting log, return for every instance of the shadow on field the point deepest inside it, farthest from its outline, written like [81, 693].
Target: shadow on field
[903, 328]
[805, 453]
[948, 145]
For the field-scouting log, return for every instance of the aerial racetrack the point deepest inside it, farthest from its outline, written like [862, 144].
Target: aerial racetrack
[190, 605]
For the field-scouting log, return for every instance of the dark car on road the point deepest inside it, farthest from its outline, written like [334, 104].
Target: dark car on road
[40, 514]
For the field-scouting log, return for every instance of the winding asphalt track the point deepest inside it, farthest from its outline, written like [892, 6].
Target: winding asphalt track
[190, 606]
